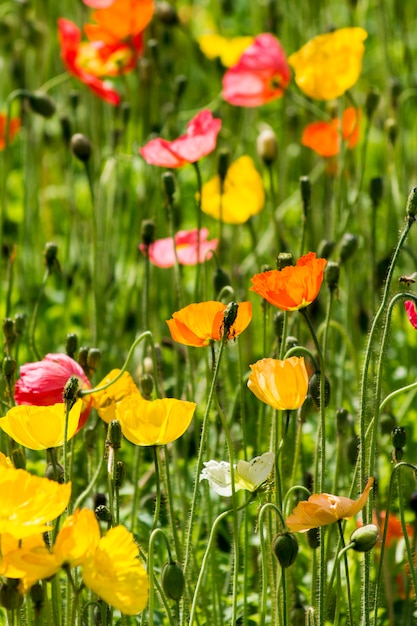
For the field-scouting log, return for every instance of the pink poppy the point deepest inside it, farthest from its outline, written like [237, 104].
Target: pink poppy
[42, 383]
[70, 41]
[411, 312]
[199, 140]
[98, 4]
[161, 252]
[261, 74]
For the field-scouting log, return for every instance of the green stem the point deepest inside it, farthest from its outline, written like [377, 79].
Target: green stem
[33, 321]
[348, 591]
[199, 222]
[264, 559]
[158, 488]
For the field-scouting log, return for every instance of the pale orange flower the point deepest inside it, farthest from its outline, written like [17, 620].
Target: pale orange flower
[281, 384]
[322, 509]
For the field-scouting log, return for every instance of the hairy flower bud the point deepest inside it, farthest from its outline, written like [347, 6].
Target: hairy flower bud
[81, 147]
[364, 538]
[285, 548]
[70, 393]
[114, 434]
[172, 580]
[348, 246]
[147, 232]
[314, 385]
[168, 180]
[71, 344]
[42, 104]
[284, 259]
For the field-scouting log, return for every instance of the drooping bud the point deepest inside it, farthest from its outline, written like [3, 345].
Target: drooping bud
[364, 538]
[71, 344]
[70, 393]
[65, 128]
[223, 164]
[398, 438]
[353, 449]
[376, 190]
[82, 357]
[168, 180]
[55, 472]
[114, 434]
[93, 359]
[37, 596]
[10, 597]
[332, 273]
[50, 256]
[412, 204]
[19, 324]
[305, 189]
[284, 259]
[314, 385]
[285, 548]
[166, 13]
[266, 146]
[18, 456]
[396, 89]
[42, 104]
[172, 580]
[147, 232]
[278, 323]
[297, 615]
[8, 330]
[391, 128]
[387, 422]
[313, 538]
[348, 246]
[290, 342]
[120, 474]
[325, 248]
[103, 513]
[342, 420]
[81, 147]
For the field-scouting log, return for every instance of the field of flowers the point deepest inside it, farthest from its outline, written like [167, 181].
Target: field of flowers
[209, 313]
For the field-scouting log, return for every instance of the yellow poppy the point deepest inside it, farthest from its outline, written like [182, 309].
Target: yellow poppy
[78, 537]
[329, 64]
[229, 50]
[243, 193]
[198, 324]
[281, 384]
[156, 422]
[40, 427]
[106, 401]
[324, 508]
[5, 461]
[29, 502]
[115, 574]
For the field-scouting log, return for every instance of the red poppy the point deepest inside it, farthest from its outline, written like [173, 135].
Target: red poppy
[199, 140]
[410, 309]
[325, 137]
[42, 383]
[261, 74]
[70, 41]
[162, 252]
[14, 126]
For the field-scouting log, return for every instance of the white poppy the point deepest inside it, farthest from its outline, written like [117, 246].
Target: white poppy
[248, 475]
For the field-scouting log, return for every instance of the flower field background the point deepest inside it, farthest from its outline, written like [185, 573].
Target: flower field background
[208, 265]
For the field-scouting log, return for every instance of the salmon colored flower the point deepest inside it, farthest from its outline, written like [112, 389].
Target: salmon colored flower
[78, 538]
[162, 251]
[197, 324]
[105, 402]
[115, 573]
[281, 384]
[199, 140]
[241, 197]
[410, 309]
[325, 137]
[70, 42]
[99, 4]
[329, 64]
[293, 287]
[42, 383]
[228, 50]
[248, 475]
[325, 508]
[28, 502]
[40, 427]
[260, 75]
[14, 127]
[154, 422]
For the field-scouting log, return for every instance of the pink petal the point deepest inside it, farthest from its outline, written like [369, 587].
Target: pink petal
[411, 312]
[200, 139]
[159, 152]
[98, 4]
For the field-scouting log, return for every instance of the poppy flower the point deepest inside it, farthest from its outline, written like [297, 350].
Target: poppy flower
[281, 384]
[248, 475]
[99, 4]
[105, 402]
[329, 64]
[162, 251]
[197, 324]
[322, 509]
[260, 75]
[42, 383]
[199, 140]
[410, 309]
[29, 502]
[325, 137]
[241, 196]
[154, 422]
[228, 50]
[78, 538]
[121, 21]
[70, 42]
[293, 287]
[14, 127]
[40, 427]
[115, 573]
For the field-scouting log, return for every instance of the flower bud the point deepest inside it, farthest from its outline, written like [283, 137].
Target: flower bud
[168, 180]
[10, 598]
[278, 323]
[93, 359]
[376, 190]
[305, 189]
[223, 164]
[120, 474]
[114, 434]
[348, 246]
[19, 324]
[221, 279]
[70, 393]
[396, 89]
[50, 256]
[103, 513]
[284, 259]
[313, 538]
[8, 330]
[42, 104]
[81, 147]
[147, 232]
[55, 472]
[332, 273]
[314, 389]
[391, 128]
[229, 317]
[290, 342]
[172, 580]
[325, 248]
[285, 548]
[65, 128]
[18, 457]
[82, 357]
[372, 101]
[146, 384]
[364, 538]
[37, 596]
[342, 420]
[71, 344]
[398, 438]
[412, 203]
[9, 367]
[166, 13]
[266, 146]
[100, 499]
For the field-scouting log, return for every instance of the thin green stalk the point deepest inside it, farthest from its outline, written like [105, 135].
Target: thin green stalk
[94, 251]
[348, 591]
[34, 318]
[156, 532]
[264, 559]
[158, 488]
[199, 222]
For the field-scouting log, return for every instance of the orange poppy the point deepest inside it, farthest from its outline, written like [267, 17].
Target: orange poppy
[293, 287]
[198, 324]
[281, 384]
[322, 509]
[123, 20]
[14, 127]
[325, 137]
